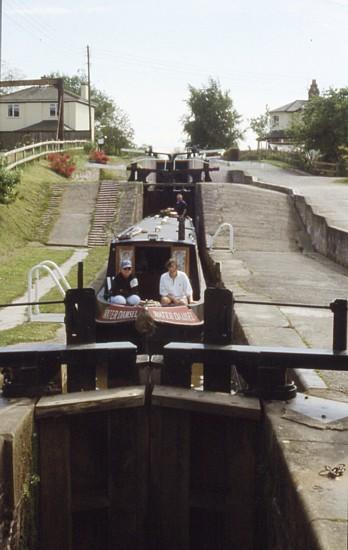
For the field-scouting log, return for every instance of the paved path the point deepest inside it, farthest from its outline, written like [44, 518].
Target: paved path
[76, 211]
[327, 196]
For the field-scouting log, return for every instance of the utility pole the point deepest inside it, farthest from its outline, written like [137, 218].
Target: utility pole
[60, 128]
[0, 35]
[89, 94]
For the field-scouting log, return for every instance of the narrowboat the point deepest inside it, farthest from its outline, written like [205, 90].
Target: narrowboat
[148, 245]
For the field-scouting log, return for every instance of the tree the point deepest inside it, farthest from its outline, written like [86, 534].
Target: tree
[323, 125]
[261, 126]
[118, 135]
[212, 121]
[110, 121]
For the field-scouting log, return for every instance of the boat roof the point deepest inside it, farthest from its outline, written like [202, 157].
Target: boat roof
[158, 229]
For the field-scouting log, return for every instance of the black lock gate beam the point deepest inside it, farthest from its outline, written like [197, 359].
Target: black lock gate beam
[258, 365]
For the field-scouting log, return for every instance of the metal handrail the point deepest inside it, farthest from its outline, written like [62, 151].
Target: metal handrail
[211, 238]
[60, 282]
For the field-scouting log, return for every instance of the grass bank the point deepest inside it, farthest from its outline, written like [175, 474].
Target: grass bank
[39, 332]
[22, 231]
[21, 220]
[22, 238]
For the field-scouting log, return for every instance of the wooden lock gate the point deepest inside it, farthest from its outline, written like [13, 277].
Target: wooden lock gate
[123, 468]
[154, 467]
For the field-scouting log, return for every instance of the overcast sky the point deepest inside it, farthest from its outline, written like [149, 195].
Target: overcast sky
[145, 53]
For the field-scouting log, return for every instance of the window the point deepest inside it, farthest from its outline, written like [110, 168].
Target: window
[275, 120]
[181, 257]
[53, 109]
[124, 253]
[13, 110]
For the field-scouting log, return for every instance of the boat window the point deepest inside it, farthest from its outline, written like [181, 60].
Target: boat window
[124, 253]
[149, 258]
[149, 265]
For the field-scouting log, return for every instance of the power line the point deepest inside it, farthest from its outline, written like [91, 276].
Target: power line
[150, 62]
[43, 33]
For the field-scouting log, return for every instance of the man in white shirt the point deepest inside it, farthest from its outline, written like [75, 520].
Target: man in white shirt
[175, 287]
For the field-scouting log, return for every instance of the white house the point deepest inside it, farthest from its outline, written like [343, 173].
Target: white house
[282, 117]
[31, 114]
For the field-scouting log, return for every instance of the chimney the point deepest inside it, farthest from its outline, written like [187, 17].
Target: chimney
[313, 90]
[84, 92]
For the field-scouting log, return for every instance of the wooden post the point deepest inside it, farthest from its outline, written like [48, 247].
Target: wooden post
[80, 275]
[339, 309]
[60, 87]
[218, 312]
[80, 312]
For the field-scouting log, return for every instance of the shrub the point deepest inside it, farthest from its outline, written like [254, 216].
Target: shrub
[88, 147]
[98, 156]
[231, 154]
[8, 181]
[62, 163]
[342, 164]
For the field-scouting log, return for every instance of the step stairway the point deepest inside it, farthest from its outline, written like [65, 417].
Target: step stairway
[104, 213]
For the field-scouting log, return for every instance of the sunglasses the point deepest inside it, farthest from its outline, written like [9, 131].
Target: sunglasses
[126, 268]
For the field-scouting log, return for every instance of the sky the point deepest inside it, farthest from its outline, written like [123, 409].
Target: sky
[145, 53]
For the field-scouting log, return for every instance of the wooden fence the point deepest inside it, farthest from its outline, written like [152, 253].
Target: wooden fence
[17, 157]
[325, 168]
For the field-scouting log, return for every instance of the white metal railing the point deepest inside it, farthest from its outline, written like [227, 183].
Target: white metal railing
[21, 155]
[211, 238]
[56, 275]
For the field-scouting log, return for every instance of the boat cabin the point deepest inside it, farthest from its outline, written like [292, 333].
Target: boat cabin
[148, 246]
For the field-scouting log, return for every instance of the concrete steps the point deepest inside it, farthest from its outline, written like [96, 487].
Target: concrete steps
[104, 213]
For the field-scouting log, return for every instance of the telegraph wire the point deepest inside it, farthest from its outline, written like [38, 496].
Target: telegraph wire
[42, 33]
[152, 64]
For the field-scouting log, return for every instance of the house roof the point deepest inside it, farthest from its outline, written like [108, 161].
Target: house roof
[292, 107]
[40, 94]
[43, 126]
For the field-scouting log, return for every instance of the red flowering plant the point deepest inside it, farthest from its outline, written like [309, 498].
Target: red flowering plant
[62, 163]
[98, 156]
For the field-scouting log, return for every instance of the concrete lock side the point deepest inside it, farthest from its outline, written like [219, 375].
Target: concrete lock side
[16, 476]
[307, 508]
